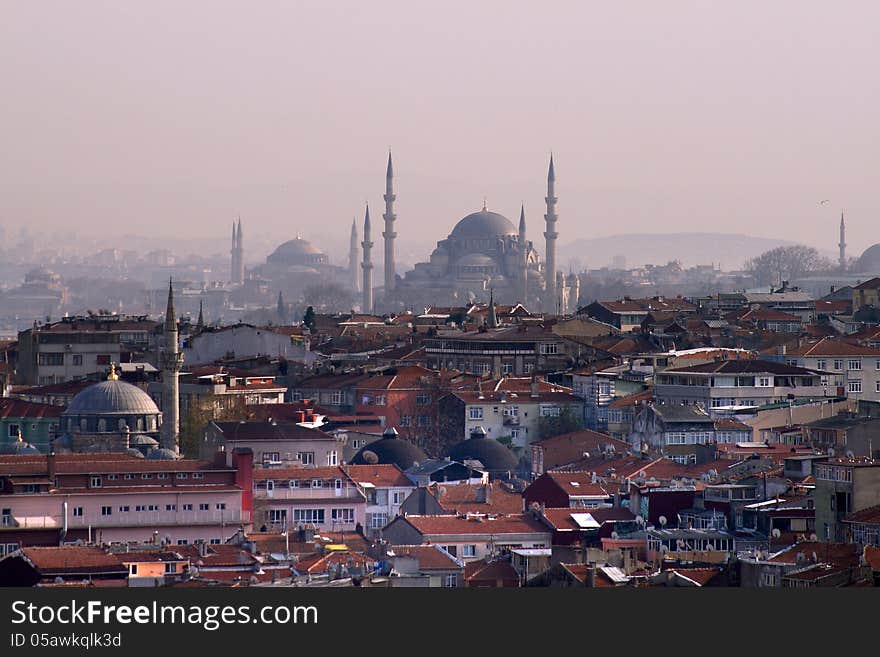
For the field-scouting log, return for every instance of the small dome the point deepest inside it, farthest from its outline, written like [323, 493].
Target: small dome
[18, 447]
[483, 225]
[142, 440]
[494, 456]
[131, 451]
[390, 449]
[163, 454]
[112, 397]
[475, 260]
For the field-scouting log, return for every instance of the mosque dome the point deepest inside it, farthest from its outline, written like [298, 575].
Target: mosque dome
[162, 454]
[296, 252]
[869, 262]
[483, 225]
[390, 449]
[495, 457]
[112, 397]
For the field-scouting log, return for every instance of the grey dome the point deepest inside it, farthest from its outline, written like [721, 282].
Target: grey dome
[141, 439]
[390, 449]
[18, 447]
[112, 398]
[162, 454]
[869, 262]
[483, 225]
[296, 252]
[131, 451]
[494, 456]
[475, 260]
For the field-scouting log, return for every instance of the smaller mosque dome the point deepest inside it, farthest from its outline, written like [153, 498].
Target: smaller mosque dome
[390, 449]
[163, 454]
[131, 451]
[495, 457]
[297, 252]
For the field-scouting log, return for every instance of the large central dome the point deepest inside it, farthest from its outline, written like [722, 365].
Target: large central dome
[112, 398]
[869, 263]
[297, 252]
[483, 225]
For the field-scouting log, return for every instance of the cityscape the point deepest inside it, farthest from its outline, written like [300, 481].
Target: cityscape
[411, 383]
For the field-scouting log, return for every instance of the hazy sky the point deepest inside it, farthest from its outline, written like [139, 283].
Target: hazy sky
[162, 117]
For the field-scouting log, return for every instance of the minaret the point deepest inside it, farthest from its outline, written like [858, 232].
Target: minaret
[492, 316]
[524, 255]
[238, 275]
[389, 233]
[353, 258]
[233, 251]
[282, 308]
[200, 323]
[171, 362]
[842, 245]
[367, 265]
[550, 236]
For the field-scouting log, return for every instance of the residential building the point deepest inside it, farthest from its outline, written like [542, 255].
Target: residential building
[843, 486]
[274, 444]
[851, 367]
[386, 488]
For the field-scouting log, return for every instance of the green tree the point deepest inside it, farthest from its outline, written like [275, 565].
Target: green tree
[555, 425]
[309, 317]
[202, 410]
[786, 263]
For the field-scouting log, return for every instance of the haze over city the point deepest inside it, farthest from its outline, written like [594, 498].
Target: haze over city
[169, 119]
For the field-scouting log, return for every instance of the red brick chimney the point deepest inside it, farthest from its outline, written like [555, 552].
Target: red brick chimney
[243, 462]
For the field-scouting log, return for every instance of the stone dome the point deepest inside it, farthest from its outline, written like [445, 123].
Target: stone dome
[869, 262]
[18, 447]
[112, 397]
[162, 454]
[296, 252]
[483, 225]
[390, 449]
[131, 451]
[495, 457]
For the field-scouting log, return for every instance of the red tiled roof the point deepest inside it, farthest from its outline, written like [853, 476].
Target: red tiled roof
[323, 563]
[869, 515]
[381, 476]
[465, 498]
[73, 559]
[431, 557]
[493, 571]
[300, 472]
[585, 438]
[579, 484]
[560, 518]
[701, 576]
[833, 347]
[12, 408]
[837, 554]
[440, 525]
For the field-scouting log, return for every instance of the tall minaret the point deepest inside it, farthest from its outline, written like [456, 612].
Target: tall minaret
[842, 244]
[233, 251]
[389, 233]
[171, 362]
[238, 275]
[550, 235]
[367, 265]
[353, 258]
[524, 255]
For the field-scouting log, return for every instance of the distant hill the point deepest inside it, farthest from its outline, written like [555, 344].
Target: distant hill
[728, 250]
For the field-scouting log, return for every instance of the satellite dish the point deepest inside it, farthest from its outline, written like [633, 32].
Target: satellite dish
[663, 549]
[813, 537]
[849, 454]
[640, 521]
[615, 535]
[662, 520]
[776, 533]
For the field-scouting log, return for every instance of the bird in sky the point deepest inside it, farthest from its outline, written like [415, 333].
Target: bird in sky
[824, 201]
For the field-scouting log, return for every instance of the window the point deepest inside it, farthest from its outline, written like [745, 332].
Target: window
[424, 421]
[378, 520]
[215, 541]
[180, 541]
[198, 475]
[855, 386]
[171, 507]
[182, 475]
[187, 507]
[451, 549]
[337, 484]
[507, 368]
[405, 420]
[271, 457]
[469, 551]
[838, 364]
[124, 509]
[52, 359]
[309, 515]
[297, 395]
[422, 399]
[549, 348]
[221, 506]
[764, 382]
[270, 485]
[397, 497]
[112, 477]
[821, 364]
[336, 397]
[293, 483]
[162, 475]
[549, 411]
[204, 507]
[317, 483]
[77, 359]
[342, 515]
[332, 458]
[77, 512]
[475, 413]
[128, 476]
[379, 400]
[307, 458]
[152, 507]
[146, 475]
[877, 386]
[877, 364]
[450, 581]
[94, 481]
[514, 433]
[102, 359]
[854, 364]
[277, 516]
[13, 430]
[171, 568]
[106, 510]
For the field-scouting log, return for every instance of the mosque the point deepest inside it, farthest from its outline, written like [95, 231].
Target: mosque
[485, 253]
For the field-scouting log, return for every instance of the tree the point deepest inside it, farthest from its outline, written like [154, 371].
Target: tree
[556, 425]
[309, 318]
[328, 297]
[202, 410]
[786, 263]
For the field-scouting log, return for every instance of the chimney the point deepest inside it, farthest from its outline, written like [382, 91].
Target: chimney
[51, 467]
[243, 462]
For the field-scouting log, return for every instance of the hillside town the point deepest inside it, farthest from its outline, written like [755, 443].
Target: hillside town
[482, 421]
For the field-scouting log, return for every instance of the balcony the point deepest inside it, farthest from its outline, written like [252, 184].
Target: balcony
[159, 519]
[279, 493]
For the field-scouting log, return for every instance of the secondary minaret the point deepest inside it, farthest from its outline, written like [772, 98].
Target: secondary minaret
[171, 361]
[367, 266]
[524, 255]
[389, 233]
[233, 252]
[550, 236]
[842, 244]
[239, 259]
[353, 258]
